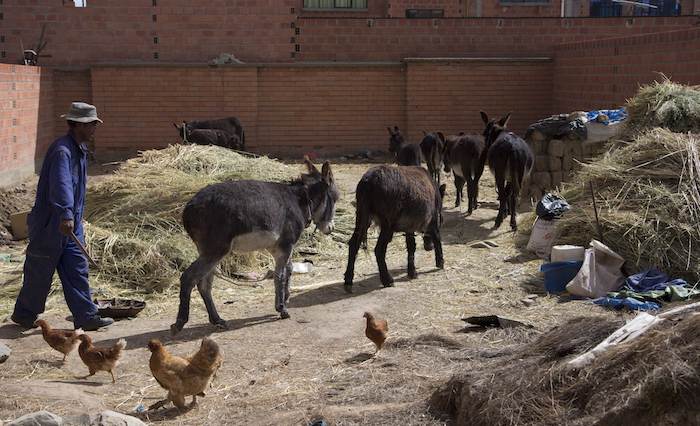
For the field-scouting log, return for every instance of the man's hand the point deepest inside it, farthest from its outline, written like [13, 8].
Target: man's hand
[66, 227]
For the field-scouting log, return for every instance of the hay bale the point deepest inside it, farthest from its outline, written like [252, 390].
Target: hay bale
[134, 217]
[542, 180]
[648, 199]
[554, 164]
[557, 179]
[664, 104]
[652, 380]
[556, 148]
[541, 163]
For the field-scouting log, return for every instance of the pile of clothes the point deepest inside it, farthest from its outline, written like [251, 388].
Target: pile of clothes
[647, 290]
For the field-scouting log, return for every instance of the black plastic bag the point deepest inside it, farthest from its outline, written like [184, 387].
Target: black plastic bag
[552, 207]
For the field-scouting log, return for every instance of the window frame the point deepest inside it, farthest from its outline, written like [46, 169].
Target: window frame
[335, 8]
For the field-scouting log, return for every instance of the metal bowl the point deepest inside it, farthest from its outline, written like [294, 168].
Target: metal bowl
[119, 308]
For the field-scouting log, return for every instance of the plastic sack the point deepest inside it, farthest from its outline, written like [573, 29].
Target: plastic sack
[542, 238]
[601, 272]
[552, 207]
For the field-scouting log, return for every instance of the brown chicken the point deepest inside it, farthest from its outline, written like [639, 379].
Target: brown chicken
[100, 359]
[64, 341]
[183, 376]
[376, 330]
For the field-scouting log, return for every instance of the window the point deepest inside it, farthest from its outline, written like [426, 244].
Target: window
[602, 8]
[335, 4]
[525, 2]
[80, 3]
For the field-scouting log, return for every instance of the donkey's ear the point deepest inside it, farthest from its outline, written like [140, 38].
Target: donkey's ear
[424, 133]
[503, 122]
[310, 166]
[484, 117]
[441, 136]
[176, 126]
[391, 132]
[326, 173]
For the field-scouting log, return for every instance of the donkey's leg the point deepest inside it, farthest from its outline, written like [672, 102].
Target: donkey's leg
[191, 277]
[470, 194]
[288, 277]
[283, 257]
[513, 203]
[502, 198]
[437, 244]
[459, 186]
[411, 249]
[361, 226]
[385, 236]
[204, 286]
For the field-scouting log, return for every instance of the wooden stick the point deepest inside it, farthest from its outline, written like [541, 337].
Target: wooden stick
[82, 248]
[595, 210]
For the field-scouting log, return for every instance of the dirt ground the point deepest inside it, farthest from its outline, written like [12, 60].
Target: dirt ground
[318, 363]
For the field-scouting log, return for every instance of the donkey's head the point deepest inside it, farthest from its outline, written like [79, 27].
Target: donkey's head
[493, 128]
[396, 139]
[323, 194]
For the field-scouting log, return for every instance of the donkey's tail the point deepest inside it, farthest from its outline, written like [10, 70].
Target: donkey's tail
[242, 139]
[362, 224]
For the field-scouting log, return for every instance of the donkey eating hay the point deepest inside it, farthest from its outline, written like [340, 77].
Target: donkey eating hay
[249, 215]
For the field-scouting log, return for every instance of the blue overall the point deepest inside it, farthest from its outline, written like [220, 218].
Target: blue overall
[60, 196]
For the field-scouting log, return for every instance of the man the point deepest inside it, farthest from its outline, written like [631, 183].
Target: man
[58, 213]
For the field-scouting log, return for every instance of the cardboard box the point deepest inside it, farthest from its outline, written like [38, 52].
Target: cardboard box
[20, 229]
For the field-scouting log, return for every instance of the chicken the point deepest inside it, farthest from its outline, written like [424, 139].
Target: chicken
[64, 341]
[183, 376]
[376, 330]
[100, 359]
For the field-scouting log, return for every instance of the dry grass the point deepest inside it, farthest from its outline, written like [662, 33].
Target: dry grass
[664, 104]
[648, 199]
[135, 215]
[652, 380]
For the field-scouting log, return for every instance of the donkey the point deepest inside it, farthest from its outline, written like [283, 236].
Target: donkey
[249, 215]
[398, 199]
[212, 137]
[231, 125]
[406, 154]
[432, 147]
[510, 160]
[465, 156]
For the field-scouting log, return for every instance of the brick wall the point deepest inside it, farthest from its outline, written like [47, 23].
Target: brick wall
[505, 9]
[603, 74]
[328, 108]
[140, 104]
[332, 108]
[395, 39]
[111, 31]
[448, 95]
[26, 120]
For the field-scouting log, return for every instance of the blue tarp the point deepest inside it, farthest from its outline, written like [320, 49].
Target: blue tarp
[627, 302]
[614, 115]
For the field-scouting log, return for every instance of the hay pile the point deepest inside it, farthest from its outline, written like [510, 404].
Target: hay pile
[646, 187]
[664, 104]
[134, 217]
[653, 380]
[648, 197]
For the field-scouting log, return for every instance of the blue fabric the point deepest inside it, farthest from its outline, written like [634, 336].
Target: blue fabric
[628, 302]
[651, 279]
[60, 195]
[614, 115]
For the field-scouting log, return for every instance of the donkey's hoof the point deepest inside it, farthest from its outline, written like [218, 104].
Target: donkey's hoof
[388, 282]
[176, 328]
[220, 324]
[348, 288]
[412, 275]
[284, 315]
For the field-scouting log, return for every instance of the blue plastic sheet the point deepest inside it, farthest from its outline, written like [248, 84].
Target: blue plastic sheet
[614, 115]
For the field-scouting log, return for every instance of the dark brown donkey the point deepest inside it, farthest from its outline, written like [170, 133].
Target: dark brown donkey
[432, 147]
[406, 154]
[465, 156]
[398, 199]
[510, 160]
[249, 215]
